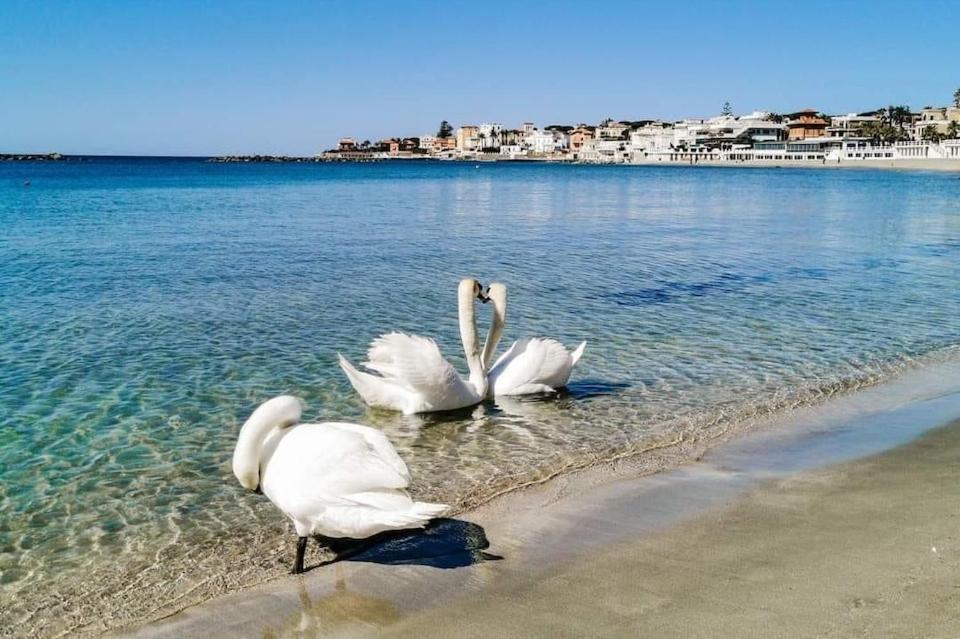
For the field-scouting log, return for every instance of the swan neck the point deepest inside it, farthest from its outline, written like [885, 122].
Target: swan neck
[499, 301]
[471, 345]
[278, 412]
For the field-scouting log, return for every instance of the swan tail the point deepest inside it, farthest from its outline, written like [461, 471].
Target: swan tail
[397, 502]
[374, 390]
[359, 522]
[427, 511]
[529, 389]
[577, 353]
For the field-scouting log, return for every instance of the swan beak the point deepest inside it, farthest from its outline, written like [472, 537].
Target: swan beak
[483, 297]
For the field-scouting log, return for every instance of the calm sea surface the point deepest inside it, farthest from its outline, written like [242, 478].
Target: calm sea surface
[147, 306]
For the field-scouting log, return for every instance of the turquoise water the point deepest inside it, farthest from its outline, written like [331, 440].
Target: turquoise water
[149, 305]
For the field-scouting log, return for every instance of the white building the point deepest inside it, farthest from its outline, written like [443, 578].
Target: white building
[539, 142]
[843, 126]
[490, 135]
[604, 152]
[612, 130]
[652, 137]
[512, 151]
[561, 139]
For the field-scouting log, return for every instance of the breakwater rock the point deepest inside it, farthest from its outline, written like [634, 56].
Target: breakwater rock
[31, 157]
[265, 158]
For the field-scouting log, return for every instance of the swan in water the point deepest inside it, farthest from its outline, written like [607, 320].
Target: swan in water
[413, 376]
[531, 365]
[332, 479]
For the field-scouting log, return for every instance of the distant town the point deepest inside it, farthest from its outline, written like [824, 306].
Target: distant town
[806, 136]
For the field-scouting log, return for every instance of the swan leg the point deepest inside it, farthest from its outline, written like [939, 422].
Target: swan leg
[301, 549]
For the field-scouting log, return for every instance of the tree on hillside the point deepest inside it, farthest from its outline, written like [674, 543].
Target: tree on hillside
[445, 130]
[775, 117]
[953, 130]
[727, 110]
[899, 115]
[956, 98]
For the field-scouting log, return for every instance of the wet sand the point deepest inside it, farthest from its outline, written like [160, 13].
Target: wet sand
[806, 528]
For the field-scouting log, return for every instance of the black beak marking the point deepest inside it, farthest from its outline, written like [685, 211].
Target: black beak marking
[481, 295]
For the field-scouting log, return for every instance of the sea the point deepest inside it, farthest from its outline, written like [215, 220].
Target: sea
[148, 305]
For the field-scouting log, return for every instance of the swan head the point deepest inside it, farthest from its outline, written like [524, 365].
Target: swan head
[471, 288]
[497, 293]
[279, 412]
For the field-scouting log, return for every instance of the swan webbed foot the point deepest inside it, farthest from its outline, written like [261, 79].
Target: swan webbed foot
[301, 549]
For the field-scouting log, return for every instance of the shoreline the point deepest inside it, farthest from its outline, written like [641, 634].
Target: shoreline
[162, 588]
[906, 164]
[541, 528]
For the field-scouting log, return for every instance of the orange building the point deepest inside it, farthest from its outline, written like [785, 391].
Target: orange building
[806, 124]
[580, 135]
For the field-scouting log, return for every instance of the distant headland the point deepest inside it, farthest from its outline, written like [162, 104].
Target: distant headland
[32, 157]
[289, 158]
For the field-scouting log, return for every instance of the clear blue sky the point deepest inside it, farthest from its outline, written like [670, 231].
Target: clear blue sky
[197, 78]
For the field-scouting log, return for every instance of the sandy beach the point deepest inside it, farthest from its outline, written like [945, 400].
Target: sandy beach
[869, 548]
[835, 520]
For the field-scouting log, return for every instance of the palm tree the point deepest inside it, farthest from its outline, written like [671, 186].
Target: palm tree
[953, 130]
[898, 115]
[930, 134]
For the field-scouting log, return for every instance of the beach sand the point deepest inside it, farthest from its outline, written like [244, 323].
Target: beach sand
[830, 521]
[869, 548]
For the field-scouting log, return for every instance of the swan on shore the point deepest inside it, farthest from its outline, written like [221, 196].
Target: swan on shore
[332, 479]
[413, 376]
[531, 365]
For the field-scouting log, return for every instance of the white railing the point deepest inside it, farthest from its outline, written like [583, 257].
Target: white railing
[843, 152]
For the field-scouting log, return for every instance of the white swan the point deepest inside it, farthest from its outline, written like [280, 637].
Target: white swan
[531, 365]
[332, 479]
[413, 376]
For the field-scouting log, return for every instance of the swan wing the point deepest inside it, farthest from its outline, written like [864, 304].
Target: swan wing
[340, 480]
[378, 443]
[577, 353]
[328, 459]
[375, 390]
[531, 365]
[415, 363]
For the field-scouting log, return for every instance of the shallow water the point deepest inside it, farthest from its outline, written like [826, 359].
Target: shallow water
[150, 305]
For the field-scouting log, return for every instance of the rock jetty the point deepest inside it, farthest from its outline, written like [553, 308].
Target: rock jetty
[264, 158]
[31, 157]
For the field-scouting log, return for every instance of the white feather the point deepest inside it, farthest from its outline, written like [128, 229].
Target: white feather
[531, 365]
[409, 374]
[334, 479]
